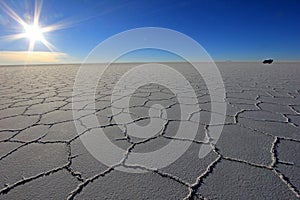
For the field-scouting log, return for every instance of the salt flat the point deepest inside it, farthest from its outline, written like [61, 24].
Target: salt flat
[256, 157]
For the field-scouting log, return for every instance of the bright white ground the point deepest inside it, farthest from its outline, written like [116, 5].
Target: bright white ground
[256, 157]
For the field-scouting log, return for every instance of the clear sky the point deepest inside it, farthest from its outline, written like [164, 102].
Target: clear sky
[228, 30]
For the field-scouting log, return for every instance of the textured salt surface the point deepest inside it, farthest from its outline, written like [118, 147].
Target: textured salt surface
[256, 157]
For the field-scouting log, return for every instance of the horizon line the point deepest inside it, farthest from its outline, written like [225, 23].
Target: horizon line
[128, 62]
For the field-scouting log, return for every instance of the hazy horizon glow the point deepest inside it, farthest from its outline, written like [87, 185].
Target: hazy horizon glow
[33, 57]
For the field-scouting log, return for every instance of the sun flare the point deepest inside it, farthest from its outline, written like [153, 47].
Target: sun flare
[33, 33]
[31, 30]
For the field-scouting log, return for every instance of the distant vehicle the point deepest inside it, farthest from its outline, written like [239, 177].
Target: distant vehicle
[268, 61]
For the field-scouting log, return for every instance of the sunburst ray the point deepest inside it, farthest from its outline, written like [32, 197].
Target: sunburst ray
[32, 30]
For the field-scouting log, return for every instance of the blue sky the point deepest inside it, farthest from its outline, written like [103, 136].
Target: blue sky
[228, 30]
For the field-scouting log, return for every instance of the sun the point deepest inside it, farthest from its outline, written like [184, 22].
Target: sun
[33, 33]
[31, 30]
